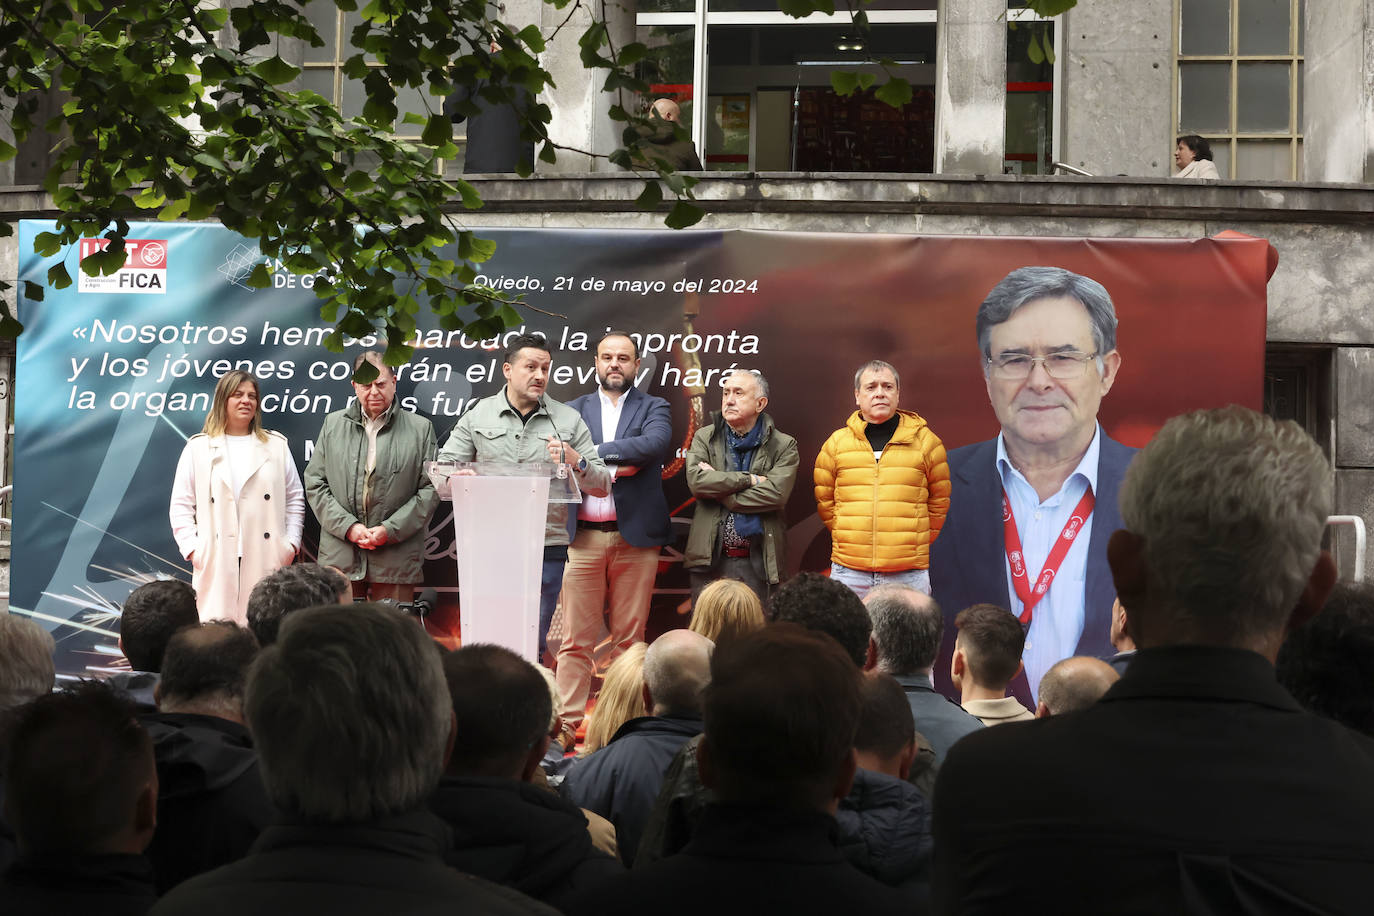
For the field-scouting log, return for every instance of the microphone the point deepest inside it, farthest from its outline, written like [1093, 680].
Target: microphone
[544, 404]
[424, 602]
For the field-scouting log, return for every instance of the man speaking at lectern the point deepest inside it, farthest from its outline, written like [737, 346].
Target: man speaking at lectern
[520, 424]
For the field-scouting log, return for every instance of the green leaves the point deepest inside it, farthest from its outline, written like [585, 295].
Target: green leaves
[895, 92]
[1049, 8]
[341, 199]
[276, 71]
[846, 82]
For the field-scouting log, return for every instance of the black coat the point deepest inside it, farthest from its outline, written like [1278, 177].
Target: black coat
[621, 781]
[114, 885]
[211, 803]
[1196, 785]
[884, 831]
[750, 859]
[521, 836]
[394, 866]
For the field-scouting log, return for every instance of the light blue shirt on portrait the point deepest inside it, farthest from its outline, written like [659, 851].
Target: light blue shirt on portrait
[1057, 623]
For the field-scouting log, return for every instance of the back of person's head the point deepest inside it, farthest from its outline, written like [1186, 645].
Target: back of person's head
[991, 640]
[780, 715]
[1328, 662]
[287, 589]
[26, 663]
[886, 732]
[907, 627]
[1073, 684]
[676, 668]
[205, 670]
[501, 706]
[820, 603]
[350, 714]
[620, 700]
[79, 774]
[725, 609]
[1224, 512]
[151, 614]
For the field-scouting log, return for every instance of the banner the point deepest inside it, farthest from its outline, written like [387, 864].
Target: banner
[115, 374]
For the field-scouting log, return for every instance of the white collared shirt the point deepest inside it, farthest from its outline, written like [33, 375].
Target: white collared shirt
[602, 508]
[1057, 623]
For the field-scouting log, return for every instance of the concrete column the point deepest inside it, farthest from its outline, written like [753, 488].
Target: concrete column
[1117, 88]
[970, 87]
[580, 109]
[1338, 103]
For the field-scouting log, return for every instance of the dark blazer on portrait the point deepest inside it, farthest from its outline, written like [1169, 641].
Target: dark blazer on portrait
[643, 437]
[968, 562]
[1196, 785]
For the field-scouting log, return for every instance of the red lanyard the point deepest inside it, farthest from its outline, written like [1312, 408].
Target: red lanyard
[1017, 561]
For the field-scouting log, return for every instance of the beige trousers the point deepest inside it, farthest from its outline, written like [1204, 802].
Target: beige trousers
[600, 562]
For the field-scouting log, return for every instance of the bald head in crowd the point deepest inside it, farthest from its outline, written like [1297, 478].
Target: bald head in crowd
[1073, 684]
[677, 667]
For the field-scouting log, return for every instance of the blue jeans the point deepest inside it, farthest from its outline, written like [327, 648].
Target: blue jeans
[550, 584]
[860, 582]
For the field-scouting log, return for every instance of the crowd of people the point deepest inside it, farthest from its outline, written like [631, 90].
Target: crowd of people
[1143, 691]
[333, 756]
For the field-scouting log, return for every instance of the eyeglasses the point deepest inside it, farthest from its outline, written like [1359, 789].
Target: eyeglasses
[1018, 366]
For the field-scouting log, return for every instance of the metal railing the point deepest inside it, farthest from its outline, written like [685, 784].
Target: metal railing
[1357, 523]
[1072, 170]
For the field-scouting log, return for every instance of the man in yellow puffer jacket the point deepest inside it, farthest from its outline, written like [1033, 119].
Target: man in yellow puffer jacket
[882, 488]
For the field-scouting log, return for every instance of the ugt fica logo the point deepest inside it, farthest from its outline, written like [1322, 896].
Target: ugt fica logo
[144, 270]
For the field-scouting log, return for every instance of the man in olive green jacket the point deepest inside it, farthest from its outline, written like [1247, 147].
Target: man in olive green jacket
[741, 470]
[366, 483]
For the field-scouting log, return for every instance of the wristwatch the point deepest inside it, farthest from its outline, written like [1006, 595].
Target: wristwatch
[582, 465]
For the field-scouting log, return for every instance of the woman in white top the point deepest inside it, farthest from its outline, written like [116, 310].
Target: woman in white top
[1193, 156]
[237, 501]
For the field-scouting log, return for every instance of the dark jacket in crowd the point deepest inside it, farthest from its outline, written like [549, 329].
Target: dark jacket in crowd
[750, 859]
[138, 686]
[1196, 785]
[522, 836]
[884, 831]
[941, 720]
[211, 804]
[113, 885]
[9, 846]
[621, 781]
[393, 866]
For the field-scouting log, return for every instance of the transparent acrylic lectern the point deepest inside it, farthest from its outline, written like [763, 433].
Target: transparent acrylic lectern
[499, 513]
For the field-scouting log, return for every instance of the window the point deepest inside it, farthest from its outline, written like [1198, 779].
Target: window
[1032, 67]
[762, 81]
[322, 72]
[1240, 84]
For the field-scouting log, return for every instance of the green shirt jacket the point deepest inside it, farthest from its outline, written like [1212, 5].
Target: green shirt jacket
[492, 431]
[720, 491]
[398, 497]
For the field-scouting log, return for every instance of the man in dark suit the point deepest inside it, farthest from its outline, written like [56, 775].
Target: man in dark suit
[1048, 338]
[1197, 784]
[618, 538]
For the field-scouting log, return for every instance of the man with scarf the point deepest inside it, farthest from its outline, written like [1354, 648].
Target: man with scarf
[740, 469]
